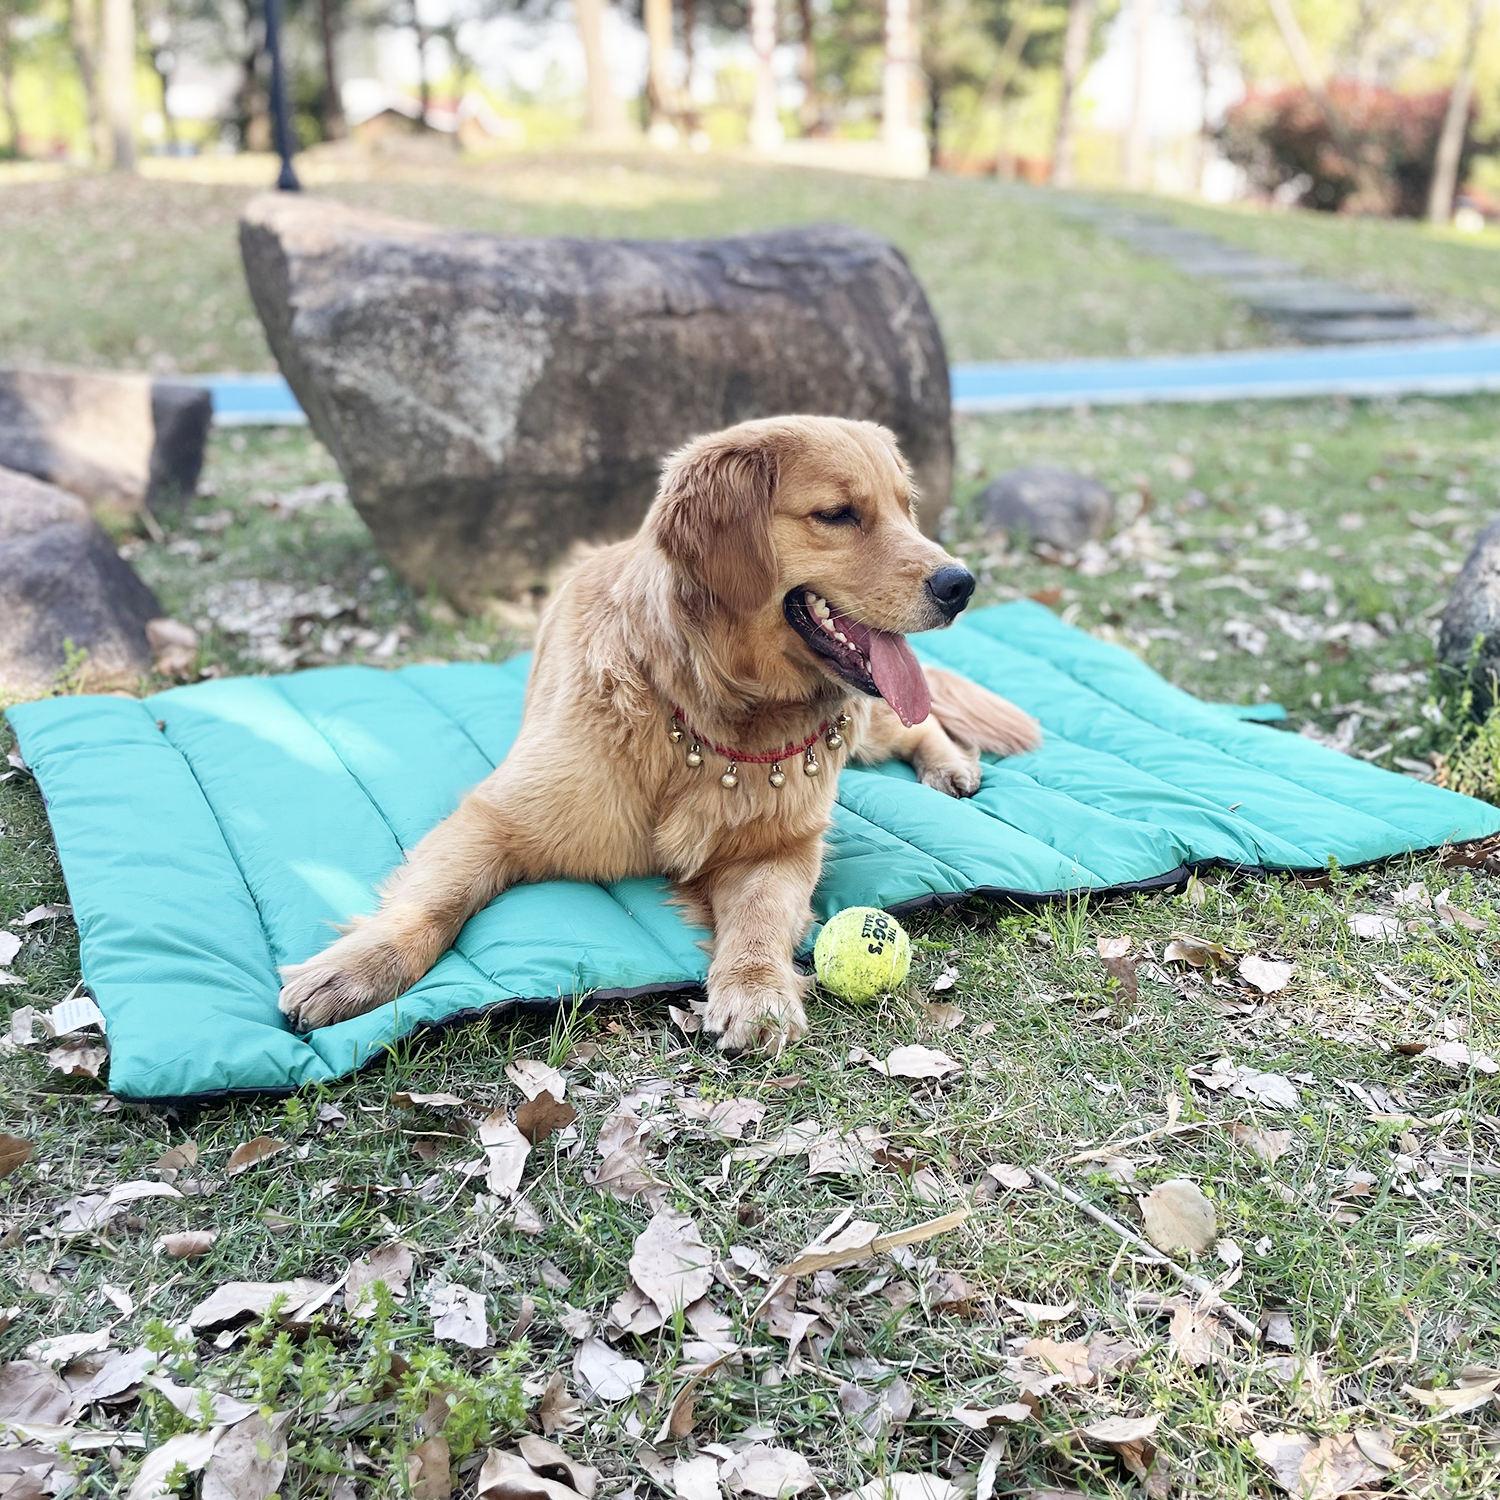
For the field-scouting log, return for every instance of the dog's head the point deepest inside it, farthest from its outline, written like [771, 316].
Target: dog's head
[800, 531]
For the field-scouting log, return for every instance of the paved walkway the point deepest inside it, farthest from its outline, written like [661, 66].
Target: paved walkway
[1313, 309]
[1446, 367]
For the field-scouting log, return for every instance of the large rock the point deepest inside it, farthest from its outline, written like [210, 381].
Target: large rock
[121, 442]
[64, 586]
[493, 402]
[1057, 507]
[1470, 637]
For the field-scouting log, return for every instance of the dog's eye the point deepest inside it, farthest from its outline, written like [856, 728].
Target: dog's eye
[845, 515]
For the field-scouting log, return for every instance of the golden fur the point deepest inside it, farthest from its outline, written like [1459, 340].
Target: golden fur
[689, 612]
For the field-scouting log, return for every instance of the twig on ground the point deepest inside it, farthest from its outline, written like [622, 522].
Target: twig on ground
[1097, 1153]
[1205, 1289]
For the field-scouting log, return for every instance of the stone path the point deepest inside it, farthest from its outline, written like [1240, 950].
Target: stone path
[1311, 308]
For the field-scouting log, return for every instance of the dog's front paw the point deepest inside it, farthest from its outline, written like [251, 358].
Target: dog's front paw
[953, 778]
[336, 985]
[754, 1017]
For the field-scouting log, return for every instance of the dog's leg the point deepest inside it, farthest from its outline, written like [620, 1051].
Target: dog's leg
[938, 759]
[761, 907]
[466, 860]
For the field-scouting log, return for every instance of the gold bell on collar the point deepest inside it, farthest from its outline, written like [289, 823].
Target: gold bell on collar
[695, 755]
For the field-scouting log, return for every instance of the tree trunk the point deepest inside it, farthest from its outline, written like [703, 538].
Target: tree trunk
[1203, 65]
[902, 134]
[1138, 130]
[164, 82]
[83, 29]
[1295, 41]
[765, 123]
[335, 127]
[1075, 60]
[660, 102]
[604, 115]
[117, 69]
[934, 123]
[8, 79]
[424, 83]
[811, 112]
[689, 53]
[1450, 146]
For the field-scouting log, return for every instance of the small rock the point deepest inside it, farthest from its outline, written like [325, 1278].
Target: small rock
[120, 442]
[1057, 507]
[1473, 615]
[62, 581]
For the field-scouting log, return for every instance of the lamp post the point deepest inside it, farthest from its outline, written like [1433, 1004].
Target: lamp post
[281, 124]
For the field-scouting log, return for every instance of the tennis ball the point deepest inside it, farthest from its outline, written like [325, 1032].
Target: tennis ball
[861, 952]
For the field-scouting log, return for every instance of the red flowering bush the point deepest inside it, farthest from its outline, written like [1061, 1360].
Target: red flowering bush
[1374, 155]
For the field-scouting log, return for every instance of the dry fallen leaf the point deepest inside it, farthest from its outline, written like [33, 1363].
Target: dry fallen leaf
[1459, 1057]
[539, 1117]
[670, 1262]
[459, 1316]
[982, 1418]
[1268, 975]
[539, 1471]
[391, 1264]
[1475, 1388]
[186, 1453]
[175, 1159]
[408, 1100]
[15, 1151]
[1374, 928]
[10, 945]
[915, 1061]
[1325, 1468]
[1178, 1217]
[33, 1392]
[505, 1151]
[1129, 1437]
[906, 1487]
[237, 1300]
[533, 1076]
[605, 1374]
[188, 1244]
[1269, 1145]
[767, 1470]
[1199, 952]
[696, 1478]
[1197, 1337]
[78, 1058]
[429, 1470]
[242, 1158]
[248, 1461]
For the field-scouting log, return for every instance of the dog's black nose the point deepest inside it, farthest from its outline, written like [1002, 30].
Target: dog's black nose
[952, 587]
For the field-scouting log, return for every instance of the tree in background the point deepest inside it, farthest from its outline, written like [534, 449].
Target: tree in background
[1078, 40]
[603, 111]
[14, 14]
[1450, 147]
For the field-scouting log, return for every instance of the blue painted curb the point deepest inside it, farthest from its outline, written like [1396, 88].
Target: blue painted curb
[1444, 367]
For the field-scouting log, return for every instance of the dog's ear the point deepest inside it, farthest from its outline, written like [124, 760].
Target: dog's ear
[712, 516]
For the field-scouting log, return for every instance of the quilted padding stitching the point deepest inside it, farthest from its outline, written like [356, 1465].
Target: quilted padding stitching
[233, 853]
[354, 776]
[1192, 740]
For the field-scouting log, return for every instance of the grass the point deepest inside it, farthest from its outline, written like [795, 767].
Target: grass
[154, 279]
[1450, 271]
[1330, 528]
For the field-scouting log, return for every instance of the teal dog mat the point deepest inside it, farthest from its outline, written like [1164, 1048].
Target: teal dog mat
[211, 833]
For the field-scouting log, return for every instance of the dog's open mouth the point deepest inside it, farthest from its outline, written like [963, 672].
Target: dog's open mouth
[877, 662]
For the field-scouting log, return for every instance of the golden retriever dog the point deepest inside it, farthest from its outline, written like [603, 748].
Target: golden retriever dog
[695, 691]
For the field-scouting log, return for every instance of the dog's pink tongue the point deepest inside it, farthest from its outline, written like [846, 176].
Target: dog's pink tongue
[898, 675]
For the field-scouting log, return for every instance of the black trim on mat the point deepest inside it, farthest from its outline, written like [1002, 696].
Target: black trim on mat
[938, 901]
[1174, 879]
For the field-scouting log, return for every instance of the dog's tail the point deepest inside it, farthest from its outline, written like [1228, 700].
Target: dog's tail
[978, 718]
